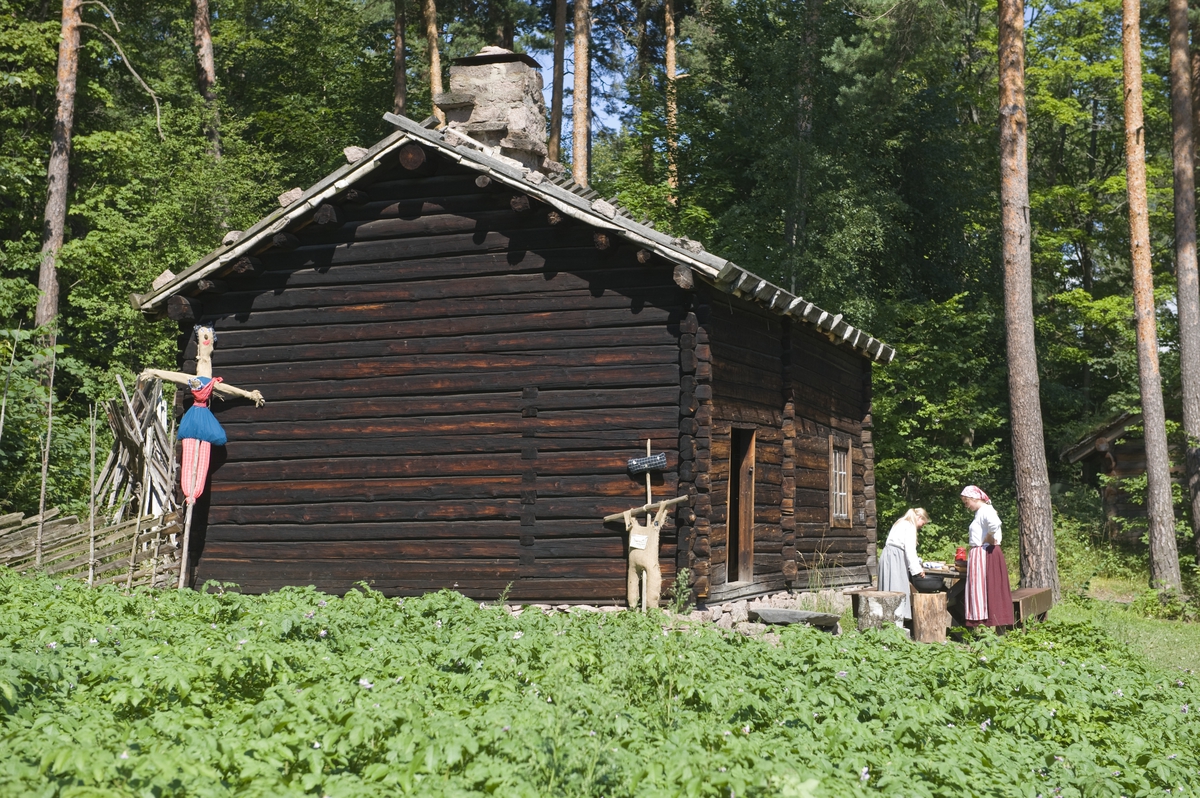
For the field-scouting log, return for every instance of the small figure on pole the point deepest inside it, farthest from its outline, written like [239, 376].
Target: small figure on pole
[199, 430]
[644, 538]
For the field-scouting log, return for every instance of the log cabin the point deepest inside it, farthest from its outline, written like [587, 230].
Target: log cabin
[1109, 454]
[461, 349]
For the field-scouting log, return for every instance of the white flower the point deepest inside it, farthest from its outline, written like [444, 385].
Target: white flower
[865, 774]
[549, 700]
[983, 659]
[746, 729]
[243, 642]
[93, 641]
[438, 624]
[364, 683]
[124, 754]
[322, 633]
[984, 726]
[518, 635]
[727, 733]
[320, 603]
[52, 645]
[316, 745]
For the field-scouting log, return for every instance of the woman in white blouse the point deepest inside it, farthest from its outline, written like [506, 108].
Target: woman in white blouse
[900, 559]
[989, 598]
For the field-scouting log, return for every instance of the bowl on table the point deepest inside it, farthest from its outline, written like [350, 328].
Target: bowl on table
[928, 584]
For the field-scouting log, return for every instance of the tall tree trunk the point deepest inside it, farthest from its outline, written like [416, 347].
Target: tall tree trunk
[581, 102]
[429, 8]
[206, 72]
[1187, 281]
[554, 148]
[58, 171]
[1195, 53]
[642, 54]
[399, 60]
[1039, 560]
[1164, 558]
[672, 107]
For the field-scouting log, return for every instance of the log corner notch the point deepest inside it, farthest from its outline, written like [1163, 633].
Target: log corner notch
[183, 309]
[692, 523]
[787, 507]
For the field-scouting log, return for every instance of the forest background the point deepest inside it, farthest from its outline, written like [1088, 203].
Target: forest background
[848, 150]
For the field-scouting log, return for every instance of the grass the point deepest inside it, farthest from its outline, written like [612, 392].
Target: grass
[1168, 645]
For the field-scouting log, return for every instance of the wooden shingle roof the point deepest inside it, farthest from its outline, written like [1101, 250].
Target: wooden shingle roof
[562, 194]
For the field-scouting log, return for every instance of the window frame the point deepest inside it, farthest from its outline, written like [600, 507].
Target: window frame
[841, 499]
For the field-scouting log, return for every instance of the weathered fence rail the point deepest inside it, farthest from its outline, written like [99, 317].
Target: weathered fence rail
[133, 552]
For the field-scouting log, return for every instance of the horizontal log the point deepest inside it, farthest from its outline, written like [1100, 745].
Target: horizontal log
[423, 406]
[445, 488]
[632, 302]
[299, 339]
[375, 511]
[465, 443]
[362, 367]
[546, 533]
[553, 377]
[610, 548]
[586, 283]
[550, 423]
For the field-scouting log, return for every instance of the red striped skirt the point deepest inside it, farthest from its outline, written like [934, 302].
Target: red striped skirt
[989, 598]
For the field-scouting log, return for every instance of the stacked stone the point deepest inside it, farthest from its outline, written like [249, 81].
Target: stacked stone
[787, 520]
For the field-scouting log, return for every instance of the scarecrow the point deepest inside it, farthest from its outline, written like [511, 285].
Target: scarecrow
[199, 430]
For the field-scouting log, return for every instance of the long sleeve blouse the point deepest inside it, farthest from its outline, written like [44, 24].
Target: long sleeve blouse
[904, 535]
[986, 523]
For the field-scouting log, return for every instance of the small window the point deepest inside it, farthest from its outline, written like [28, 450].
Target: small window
[839, 484]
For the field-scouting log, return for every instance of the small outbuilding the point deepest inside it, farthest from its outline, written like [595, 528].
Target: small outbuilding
[461, 349]
[1115, 451]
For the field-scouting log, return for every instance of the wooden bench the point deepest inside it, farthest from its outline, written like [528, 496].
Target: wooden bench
[1031, 602]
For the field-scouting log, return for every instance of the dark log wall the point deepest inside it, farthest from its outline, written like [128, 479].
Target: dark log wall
[831, 387]
[793, 388]
[747, 394]
[454, 388]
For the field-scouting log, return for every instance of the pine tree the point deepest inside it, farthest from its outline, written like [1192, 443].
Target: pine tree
[1164, 559]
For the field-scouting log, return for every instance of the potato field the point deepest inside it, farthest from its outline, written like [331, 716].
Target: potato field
[299, 693]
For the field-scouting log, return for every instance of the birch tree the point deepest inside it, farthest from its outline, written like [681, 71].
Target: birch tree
[1164, 558]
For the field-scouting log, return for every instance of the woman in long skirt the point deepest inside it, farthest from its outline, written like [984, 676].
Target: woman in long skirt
[989, 598]
[899, 559]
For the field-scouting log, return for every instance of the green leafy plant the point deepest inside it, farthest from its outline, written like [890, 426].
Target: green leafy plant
[301, 693]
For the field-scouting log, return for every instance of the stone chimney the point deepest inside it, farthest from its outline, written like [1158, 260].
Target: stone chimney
[495, 98]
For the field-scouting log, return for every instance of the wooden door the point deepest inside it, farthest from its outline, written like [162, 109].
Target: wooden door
[740, 517]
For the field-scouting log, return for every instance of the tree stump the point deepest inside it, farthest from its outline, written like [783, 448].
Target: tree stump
[929, 617]
[877, 608]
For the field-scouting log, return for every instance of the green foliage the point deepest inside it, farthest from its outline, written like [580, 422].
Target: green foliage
[939, 411]
[1165, 605]
[299, 693]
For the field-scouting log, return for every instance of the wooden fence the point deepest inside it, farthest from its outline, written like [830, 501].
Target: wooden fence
[132, 552]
